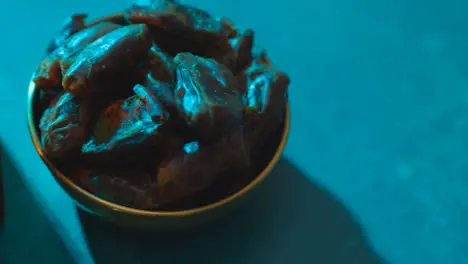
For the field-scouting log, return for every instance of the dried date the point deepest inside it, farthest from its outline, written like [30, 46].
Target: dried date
[133, 129]
[183, 28]
[64, 126]
[198, 165]
[265, 102]
[98, 67]
[49, 73]
[206, 95]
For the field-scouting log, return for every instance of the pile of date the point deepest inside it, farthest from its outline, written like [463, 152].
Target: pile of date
[151, 108]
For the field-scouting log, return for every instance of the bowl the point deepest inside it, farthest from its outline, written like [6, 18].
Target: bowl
[153, 220]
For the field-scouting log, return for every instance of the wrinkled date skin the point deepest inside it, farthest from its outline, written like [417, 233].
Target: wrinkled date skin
[64, 127]
[130, 128]
[197, 166]
[73, 24]
[49, 73]
[206, 95]
[106, 58]
[181, 28]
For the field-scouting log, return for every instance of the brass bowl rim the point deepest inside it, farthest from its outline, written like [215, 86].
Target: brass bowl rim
[138, 212]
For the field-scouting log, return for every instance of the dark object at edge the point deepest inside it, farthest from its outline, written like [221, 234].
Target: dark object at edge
[2, 195]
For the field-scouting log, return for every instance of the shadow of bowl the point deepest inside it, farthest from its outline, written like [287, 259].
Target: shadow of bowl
[290, 220]
[142, 219]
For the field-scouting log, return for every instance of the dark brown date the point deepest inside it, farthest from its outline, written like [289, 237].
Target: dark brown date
[258, 64]
[64, 126]
[197, 166]
[131, 128]
[206, 95]
[265, 103]
[183, 28]
[106, 59]
[49, 73]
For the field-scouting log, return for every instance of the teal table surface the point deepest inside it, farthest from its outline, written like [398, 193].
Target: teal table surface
[375, 170]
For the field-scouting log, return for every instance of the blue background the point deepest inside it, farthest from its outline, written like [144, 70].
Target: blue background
[376, 165]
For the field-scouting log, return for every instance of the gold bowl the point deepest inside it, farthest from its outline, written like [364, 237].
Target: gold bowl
[142, 219]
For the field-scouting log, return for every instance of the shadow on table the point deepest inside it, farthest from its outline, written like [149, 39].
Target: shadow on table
[291, 220]
[27, 235]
